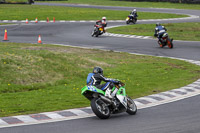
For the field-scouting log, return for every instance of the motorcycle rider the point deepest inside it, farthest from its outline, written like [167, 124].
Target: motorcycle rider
[159, 31]
[104, 23]
[95, 79]
[133, 14]
[98, 22]
[30, 1]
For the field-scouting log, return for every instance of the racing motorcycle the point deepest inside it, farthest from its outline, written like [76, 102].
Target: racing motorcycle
[131, 18]
[98, 30]
[31, 1]
[103, 107]
[165, 40]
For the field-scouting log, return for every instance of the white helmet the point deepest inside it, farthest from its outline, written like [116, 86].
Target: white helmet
[134, 10]
[103, 18]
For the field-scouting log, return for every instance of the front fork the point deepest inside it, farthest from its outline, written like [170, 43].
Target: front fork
[114, 92]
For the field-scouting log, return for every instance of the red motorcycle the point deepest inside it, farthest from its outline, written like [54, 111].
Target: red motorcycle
[165, 40]
[98, 30]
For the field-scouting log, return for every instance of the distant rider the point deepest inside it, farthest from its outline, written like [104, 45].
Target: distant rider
[95, 79]
[133, 14]
[104, 23]
[159, 31]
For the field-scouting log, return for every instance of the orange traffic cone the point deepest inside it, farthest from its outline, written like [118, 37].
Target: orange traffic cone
[54, 20]
[39, 39]
[36, 20]
[47, 20]
[27, 21]
[5, 36]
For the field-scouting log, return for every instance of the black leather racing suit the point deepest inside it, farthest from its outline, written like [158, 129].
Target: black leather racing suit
[96, 78]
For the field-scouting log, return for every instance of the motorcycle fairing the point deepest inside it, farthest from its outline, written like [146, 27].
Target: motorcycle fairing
[101, 29]
[122, 99]
[121, 95]
[127, 18]
[87, 91]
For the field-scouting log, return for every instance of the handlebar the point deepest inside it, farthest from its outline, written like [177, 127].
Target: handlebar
[120, 84]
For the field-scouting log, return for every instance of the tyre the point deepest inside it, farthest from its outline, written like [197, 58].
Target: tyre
[97, 33]
[170, 44]
[100, 109]
[131, 108]
[160, 44]
[134, 21]
[127, 22]
[92, 33]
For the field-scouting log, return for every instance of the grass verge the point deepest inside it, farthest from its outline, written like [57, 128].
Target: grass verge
[178, 31]
[21, 12]
[16, 1]
[39, 78]
[134, 4]
[6, 23]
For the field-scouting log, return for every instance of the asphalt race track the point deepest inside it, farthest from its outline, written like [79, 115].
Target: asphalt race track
[178, 117]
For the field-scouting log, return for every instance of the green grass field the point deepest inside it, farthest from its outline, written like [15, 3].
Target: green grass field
[21, 12]
[178, 31]
[40, 78]
[37, 78]
[134, 4]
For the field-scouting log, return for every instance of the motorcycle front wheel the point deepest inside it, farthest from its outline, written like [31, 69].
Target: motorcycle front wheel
[100, 109]
[96, 33]
[160, 44]
[131, 108]
[92, 33]
[128, 21]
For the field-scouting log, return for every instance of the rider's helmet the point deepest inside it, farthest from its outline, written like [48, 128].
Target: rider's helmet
[104, 18]
[134, 10]
[98, 70]
[158, 24]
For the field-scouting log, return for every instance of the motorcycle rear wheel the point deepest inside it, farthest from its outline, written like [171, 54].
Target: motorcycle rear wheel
[131, 108]
[100, 109]
[134, 21]
[170, 44]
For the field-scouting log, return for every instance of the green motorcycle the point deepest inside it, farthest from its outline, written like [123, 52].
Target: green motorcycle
[103, 106]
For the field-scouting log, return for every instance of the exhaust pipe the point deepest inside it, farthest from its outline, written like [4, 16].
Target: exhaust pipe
[105, 99]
